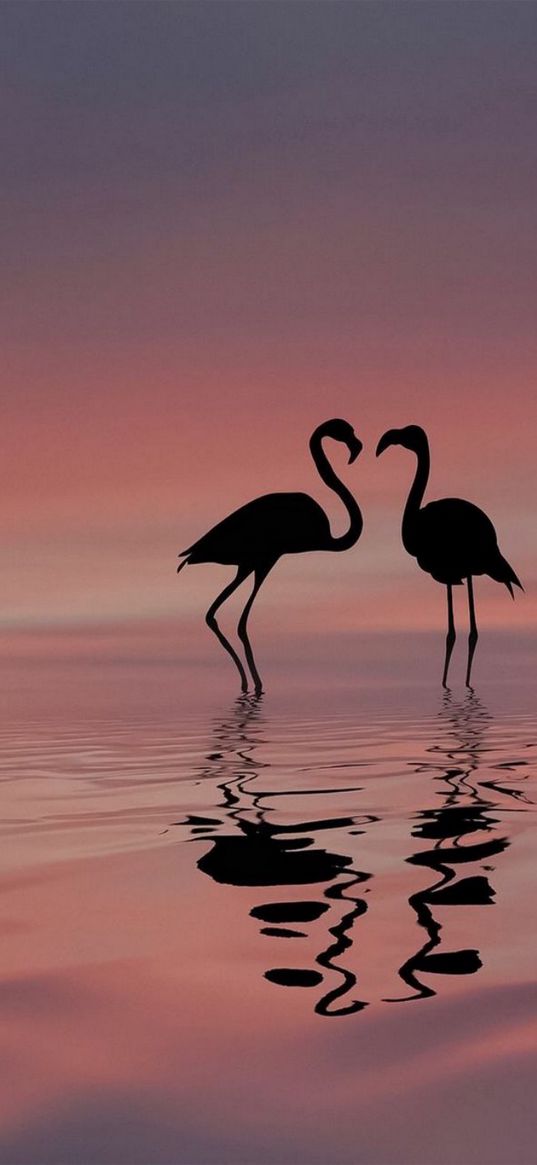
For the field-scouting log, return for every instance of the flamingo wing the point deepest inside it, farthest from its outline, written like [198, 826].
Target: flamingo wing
[455, 539]
[264, 529]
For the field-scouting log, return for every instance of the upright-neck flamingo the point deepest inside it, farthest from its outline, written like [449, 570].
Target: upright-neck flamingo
[254, 537]
[451, 539]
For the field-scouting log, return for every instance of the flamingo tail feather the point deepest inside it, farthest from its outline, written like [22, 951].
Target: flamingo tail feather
[504, 573]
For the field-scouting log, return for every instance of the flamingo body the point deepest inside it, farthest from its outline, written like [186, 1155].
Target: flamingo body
[456, 539]
[263, 530]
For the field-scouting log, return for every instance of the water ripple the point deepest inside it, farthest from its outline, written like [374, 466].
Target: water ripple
[343, 813]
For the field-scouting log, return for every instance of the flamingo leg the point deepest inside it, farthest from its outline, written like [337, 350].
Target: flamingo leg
[260, 576]
[473, 636]
[210, 620]
[451, 634]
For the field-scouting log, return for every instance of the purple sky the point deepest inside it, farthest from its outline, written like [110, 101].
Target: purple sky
[224, 223]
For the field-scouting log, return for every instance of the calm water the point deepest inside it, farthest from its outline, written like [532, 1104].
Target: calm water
[297, 929]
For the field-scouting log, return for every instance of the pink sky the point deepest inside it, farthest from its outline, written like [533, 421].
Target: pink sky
[202, 265]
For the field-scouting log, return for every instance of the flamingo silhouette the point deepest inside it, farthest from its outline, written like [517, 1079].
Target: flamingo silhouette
[451, 539]
[254, 537]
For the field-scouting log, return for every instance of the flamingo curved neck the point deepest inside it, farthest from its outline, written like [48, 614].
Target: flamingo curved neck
[330, 478]
[415, 497]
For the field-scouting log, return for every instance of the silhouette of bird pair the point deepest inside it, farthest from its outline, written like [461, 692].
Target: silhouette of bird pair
[451, 539]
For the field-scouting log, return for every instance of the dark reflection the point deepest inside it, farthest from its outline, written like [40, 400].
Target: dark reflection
[289, 911]
[290, 977]
[465, 810]
[249, 848]
[248, 844]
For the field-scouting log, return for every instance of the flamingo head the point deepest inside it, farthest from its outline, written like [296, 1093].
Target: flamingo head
[341, 431]
[412, 437]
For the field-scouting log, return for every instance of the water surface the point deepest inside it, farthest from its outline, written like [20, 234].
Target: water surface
[298, 928]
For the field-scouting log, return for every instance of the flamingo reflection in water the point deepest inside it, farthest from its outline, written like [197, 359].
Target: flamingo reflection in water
[256, 850]
[252, 843]
[467, 809]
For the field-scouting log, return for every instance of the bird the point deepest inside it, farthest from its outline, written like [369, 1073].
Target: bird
[452, 539]
[255, 536]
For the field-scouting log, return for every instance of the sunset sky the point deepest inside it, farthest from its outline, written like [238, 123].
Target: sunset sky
[225, 223]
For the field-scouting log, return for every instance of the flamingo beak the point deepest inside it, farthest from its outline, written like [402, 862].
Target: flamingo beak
[391, 437]
[355, 449]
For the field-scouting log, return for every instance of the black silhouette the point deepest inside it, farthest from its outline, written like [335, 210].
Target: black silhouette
[255, 537]
[247, 844]
[451, 539]
[465, 811]
[247, 849]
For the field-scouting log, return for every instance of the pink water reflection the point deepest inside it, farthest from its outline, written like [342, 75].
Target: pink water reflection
[139, 1022]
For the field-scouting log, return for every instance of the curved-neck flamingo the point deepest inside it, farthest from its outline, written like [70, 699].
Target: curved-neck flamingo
[451, 539]
[254, 537]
